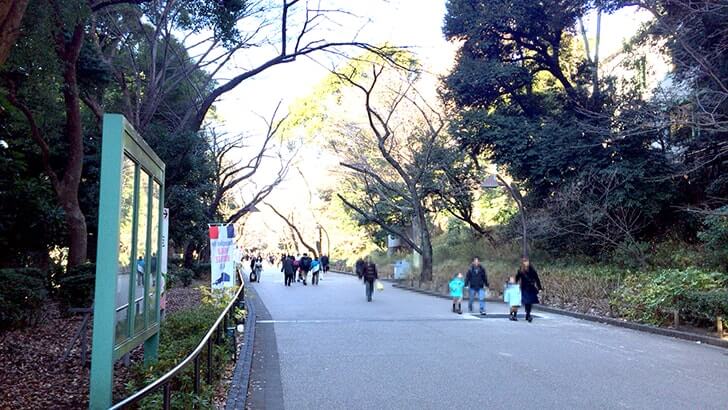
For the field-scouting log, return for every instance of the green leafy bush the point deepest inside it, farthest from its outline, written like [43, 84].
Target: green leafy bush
[674, 254]
[76, 286]
[715, 237]
[181, 332]
[22, 294]
[182, 275]
[707, 304]
[201, 270]
[649, 297]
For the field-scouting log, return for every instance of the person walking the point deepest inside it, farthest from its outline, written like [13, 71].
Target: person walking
[512, 297]
[305, 267]
[476, 280]
[315, 270]
[325, 263]
[456, 292]
[288, 270]
[359, 268]
[297, 267]
[370, 275]
[530, 286]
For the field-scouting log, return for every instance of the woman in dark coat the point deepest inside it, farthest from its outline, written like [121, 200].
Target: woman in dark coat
[530, 286]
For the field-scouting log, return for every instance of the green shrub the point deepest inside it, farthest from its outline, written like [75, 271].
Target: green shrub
[715, 237]
[22, 294]
[201, 270]
[182, 275]
[674, 254]
[180, 333]
[707, 305]
[649, 297]
[76, 286]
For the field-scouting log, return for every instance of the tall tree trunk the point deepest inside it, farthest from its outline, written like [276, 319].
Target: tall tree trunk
[77, 229]
[11, 15]
[524, 231]
[426, 272]
[188, 261]
[67, 188]
[425, 241]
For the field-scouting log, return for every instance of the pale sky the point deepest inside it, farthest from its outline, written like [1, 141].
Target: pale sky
[413, 23]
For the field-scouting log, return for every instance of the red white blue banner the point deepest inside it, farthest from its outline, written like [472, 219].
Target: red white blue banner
[222, 256]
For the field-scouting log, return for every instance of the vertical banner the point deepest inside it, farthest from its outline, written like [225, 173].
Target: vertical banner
[222, 260]
[163, 253]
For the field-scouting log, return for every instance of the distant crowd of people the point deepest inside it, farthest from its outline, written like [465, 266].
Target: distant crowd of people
[300, 266]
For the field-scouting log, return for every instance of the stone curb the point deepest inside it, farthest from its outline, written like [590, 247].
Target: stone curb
[714, 341]
[238, 392]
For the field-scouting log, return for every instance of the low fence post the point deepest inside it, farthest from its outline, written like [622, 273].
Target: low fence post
[167, 397]
[209, 363]
[719, 325]
[197, 373]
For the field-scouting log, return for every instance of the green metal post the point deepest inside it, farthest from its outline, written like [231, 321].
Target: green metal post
[102, 369]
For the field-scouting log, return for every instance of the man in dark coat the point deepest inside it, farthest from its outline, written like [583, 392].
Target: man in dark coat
[325, 263]
[305, 266]
[288, 270]
[370, 275]
[359, 267]
[476, 280]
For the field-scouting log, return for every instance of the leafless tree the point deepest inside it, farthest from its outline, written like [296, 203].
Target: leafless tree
[588, 208]
[455, 191]
[391, 158]
[232, 171]
[683, 24]
[290, 26]
[515, 194]
[294, 228]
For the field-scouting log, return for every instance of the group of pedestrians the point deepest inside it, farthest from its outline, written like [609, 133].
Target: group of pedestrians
[521, 289]
[299, 267]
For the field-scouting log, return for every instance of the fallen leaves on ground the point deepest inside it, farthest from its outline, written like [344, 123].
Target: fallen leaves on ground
[33, 374]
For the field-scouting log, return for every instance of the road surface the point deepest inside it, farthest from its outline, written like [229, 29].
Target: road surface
[325, 347]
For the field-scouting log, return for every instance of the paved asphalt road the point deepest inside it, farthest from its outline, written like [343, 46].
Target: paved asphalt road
[325, 347]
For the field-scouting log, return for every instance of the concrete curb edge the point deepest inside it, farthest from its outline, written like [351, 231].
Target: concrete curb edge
[238, 392]
[714, 341]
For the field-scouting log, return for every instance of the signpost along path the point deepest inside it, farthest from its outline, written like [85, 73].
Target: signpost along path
[128, 274]
[223, 256]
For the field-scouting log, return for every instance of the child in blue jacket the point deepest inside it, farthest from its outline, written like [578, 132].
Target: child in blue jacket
[512, 296]
[456, 292]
